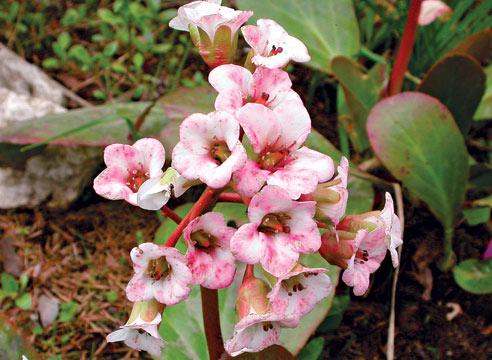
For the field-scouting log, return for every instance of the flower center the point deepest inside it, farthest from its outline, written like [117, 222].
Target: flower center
[267, 326]
[271, 160]
[158, 268]
[274, 223]
[203, 240]
[220, 152]
[136, 178]
[263, 99]
[275, 50]
[361, 256]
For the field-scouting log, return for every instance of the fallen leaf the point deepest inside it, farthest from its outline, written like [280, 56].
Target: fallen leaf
[48, 308]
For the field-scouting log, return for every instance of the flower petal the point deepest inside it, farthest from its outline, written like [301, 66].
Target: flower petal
[246, 244]
[270, 200]
[250, 178]
[152, 154]
[111, 184]
[260, 125]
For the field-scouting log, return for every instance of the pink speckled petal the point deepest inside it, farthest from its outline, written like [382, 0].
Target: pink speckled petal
[260, 125]
[111, 184]
[122, 156]
[152, 155]
[231, 77]
[278, 258]
[276, 83]
[270, 200]
[250, 178]
[247, 244]
[431, 10]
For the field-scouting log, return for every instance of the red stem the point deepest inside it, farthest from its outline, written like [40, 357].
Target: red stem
[249, 272]
[169, 213]
[230, 197]
[405, 50]
[202, 203]
[321, 225]
[211, 322]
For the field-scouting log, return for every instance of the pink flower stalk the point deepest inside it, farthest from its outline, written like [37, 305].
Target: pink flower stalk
[213, 28]
[209, 148]
[331, 197]
[258, 327]
[160, 273]
[279, 230]
[296, 293]
[141, 330]
[237, 86]
[369, 250]
[276, 138]
[273, 47]
[431, 10]
[209, 257]
[128, 167]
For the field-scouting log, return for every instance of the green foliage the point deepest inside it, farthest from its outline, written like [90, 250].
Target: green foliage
[328, 28]
[334, 318]
[477, 215]
[474, 276]
[417, 139]
[14, 289]
[484, 111]
[68, 310]
[313, 350]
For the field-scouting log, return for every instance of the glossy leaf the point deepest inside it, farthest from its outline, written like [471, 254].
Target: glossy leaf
[478, 45]
[334, 318]
[328, 28]
[361, 196]
[484, 111]
[318, 142]
[458, 82]
[361, 91]
[474, 276]
[417, 139]
[477, 215]
[313, 350]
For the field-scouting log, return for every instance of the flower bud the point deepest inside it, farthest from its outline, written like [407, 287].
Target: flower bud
[337, 247]
[145, 312]
[252, 297]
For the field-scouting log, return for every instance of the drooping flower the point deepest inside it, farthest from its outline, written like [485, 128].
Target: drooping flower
[296, 293]
[141, 330]
[209, 257]
[276, 138]
[213, 29]
[337, 247]
[128, 167]
[156, 192]
[369, 250]
[431, 10]
[331, 197]
[160, 273]
[273, 47]
[279, 230]
[237, 87]
[209, 148]
[258, 327]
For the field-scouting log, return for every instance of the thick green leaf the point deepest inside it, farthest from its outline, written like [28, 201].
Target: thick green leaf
[24, 301]
[12, 344]
[474, 276]
[361, 196]
[484, 111]
[318, 142]
[334, 318]
[105, 124]
[477, 215]
[328, 28]
[313, 350]
[417, 139]
[458, 82]
[361, 91]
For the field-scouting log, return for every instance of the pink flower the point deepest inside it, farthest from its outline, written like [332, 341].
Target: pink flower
[146, 316]
[160, 273]
[209, 148]
[392, 229]
[209, 257]
[213, 29]
[369, 250]
[279, 230]
[431, 10]
[273, 47]
[128, 167]
[258, 327]
[237, 87]
[331, 197]
[297, 292]
[276, 137]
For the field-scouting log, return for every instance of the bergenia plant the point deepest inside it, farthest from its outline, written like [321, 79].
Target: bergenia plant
[252, 150]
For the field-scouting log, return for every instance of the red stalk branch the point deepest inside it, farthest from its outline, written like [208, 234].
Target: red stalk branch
[405, 49]
[169, 213]
[230, 197]
[202, 203]
[211, 322]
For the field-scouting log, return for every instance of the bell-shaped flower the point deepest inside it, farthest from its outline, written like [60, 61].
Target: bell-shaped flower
[369, 250]
[213, 29]
[209, 148]
[161, 273]
[128, 167]
[296, 293]
[209, 257]
[276, 138]
[141, 330]
[431, 10]
[258, 327]
[273, 47]
[337, 247]
[279, 230]
[237, 86]
[331, 197]
[156, 192]
[385, 219]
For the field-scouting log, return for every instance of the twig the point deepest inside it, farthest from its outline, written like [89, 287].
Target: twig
[211, 322]
[390, 349]
[169, 213]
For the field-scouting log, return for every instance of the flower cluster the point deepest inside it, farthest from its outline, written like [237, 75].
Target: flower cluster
[252, 145]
